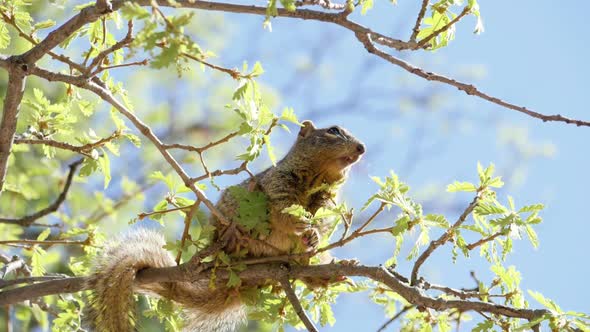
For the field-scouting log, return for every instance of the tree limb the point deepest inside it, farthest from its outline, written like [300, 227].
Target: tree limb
[261, 272]
[12, 99]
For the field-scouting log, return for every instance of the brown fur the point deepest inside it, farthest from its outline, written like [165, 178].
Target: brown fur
[320, 158]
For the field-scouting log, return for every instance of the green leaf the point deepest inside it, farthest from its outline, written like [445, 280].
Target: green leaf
[270, 150]
[297, 211]
[547, 303]
[532, 236]
[326, 315]
[401, 225]
[530, 324]
[37, 261]
[461, 186]
[366, 5]
[86, 107]
[496, 182]
[256, 70]
[531, 208]
[252, 209]
[484, 209]
[132, 10]
[4, 36]
[105, 166]
[484, 326]
[289, 5]
[43, 235]
[234, 280]
[437, 219]
[44, 25]
[289, 115]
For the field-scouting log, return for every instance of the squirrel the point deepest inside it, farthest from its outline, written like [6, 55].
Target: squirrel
[309, 175]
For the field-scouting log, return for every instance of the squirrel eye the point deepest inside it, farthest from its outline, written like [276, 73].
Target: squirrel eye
[335, 131]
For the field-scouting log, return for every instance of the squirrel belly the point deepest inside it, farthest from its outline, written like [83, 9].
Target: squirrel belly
[112, 305]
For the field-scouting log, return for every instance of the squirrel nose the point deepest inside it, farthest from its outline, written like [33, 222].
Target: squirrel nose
[360, 148]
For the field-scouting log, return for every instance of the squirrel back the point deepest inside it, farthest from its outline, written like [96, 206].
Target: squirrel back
[112, 305]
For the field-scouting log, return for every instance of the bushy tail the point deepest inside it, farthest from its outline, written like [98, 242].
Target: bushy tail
[112, 305]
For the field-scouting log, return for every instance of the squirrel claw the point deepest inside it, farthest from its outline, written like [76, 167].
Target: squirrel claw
[311, 238]
[302, 227]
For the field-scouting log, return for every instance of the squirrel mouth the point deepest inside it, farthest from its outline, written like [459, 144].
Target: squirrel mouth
[349, 160]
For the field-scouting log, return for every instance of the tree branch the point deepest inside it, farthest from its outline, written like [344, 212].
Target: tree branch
[367, 36]
[286, 284]
[28, 220]
[262, 272]
[12, 99]
[469, 89]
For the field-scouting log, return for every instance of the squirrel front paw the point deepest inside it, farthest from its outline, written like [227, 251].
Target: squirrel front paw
[302, 226]
[311, 239]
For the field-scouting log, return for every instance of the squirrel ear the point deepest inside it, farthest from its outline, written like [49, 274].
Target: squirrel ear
[307, 128]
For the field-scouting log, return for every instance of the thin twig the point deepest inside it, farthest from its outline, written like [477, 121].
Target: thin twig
[481, 241]
[358, 232]
[286, 284]
[100, 212]
[128, 39]
[201, 149]
[29, 280]
[434, 34]
[421, 13]
[396, 316]
[233, 73]
[326, 4]
[85, 149]
[47, 242]
[147, 214]
[100, 69]
[28, 220]
[443, 238]
[187, 223]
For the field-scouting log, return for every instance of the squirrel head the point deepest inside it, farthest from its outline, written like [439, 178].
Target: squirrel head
[326, 152]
